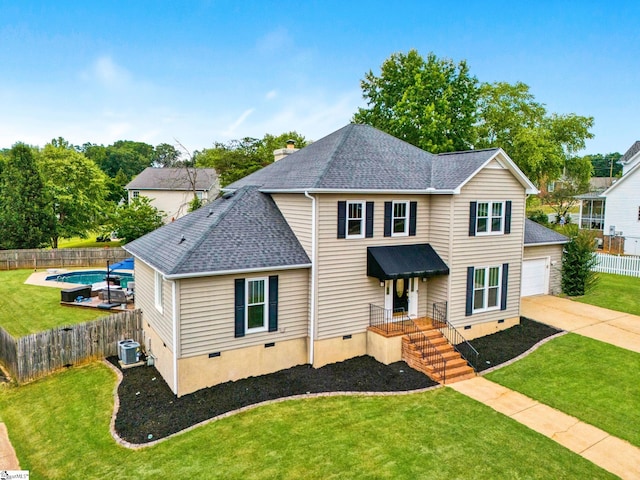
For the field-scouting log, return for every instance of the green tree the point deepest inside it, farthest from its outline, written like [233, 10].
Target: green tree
[430, 103]
[166, 155]
[238, 158]
[26, 220]
[606, 165]
[77, 190]
[541, 144]
[124, 155]
[136, 219]
[578, 260]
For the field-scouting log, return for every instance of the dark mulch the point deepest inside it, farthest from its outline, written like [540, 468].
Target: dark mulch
[150, 411]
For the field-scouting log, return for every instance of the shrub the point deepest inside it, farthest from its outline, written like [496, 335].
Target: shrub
[578, 260]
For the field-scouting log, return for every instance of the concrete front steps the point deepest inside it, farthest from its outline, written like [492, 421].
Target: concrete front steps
[430, 363]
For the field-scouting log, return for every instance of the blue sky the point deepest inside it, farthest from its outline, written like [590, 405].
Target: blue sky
[205, 71]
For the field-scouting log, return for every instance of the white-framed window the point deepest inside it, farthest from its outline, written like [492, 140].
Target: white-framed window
[490, 218]
[400, 219]
[355, 220]
[135, 194]
[199, 195]
[487, 283]
[157, 291]
[256, 308]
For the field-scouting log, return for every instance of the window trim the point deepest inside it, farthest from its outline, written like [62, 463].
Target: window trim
[157, 291]
[135, 194]
[489, 218]
[485, 289]
[347, 218]
[264, 303]
[406, 217]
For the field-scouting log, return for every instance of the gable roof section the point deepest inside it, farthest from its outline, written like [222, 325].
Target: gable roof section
[536, 235]
[243, 231]
[634, 171]
[172, 179]
[631, 152]
[361, 158]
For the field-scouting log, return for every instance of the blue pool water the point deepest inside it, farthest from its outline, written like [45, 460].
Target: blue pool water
[87, 277]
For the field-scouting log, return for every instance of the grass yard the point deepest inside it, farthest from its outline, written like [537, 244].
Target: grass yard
[590, 380]
[59, 427]
[89, 242]
[617, 292]
[26, 309]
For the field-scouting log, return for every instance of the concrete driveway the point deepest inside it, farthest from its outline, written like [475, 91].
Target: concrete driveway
[617, 328]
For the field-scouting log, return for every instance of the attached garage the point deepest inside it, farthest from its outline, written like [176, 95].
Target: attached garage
[542, 260]
[535, 277]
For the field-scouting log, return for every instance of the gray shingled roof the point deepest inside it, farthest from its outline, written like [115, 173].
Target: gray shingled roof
[360, 157]
[172, 179]
[241, 231]
[534, 234]
[633, 149]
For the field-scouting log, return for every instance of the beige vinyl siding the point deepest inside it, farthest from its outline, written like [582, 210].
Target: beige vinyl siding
[344, 291]
[495, 184]
[296, 209]
[554, 252]
[441, 209]
[161, 323]
[173, 203]
[207, 312]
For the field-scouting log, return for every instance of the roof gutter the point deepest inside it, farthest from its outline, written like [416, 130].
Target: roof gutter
[312, 299]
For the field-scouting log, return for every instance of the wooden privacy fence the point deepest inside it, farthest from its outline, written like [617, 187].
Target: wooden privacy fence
[38, 354]
[620, 265]
[59, 258]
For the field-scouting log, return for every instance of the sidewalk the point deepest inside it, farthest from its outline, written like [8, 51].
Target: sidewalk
[611, 453]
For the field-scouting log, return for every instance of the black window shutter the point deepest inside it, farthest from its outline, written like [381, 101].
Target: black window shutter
[273, 303]
[342, 219]
[369, 220]
[473, 208]
[470, 278]
[505, 281]
[387, 218]
[239, 310]
[413, 210]
[507, 217]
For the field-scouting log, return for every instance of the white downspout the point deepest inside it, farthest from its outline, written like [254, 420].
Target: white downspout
[174, 310]
[312, 309]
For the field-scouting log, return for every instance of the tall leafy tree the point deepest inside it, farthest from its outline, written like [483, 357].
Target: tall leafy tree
[239, 158]
[77, 189]
[166, 155]
[606, 165]
[430, 103]
[540, 143]
[26, 220]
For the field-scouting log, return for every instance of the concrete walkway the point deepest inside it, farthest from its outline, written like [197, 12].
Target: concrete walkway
[617, 328]
[8, 458]
[623, 330]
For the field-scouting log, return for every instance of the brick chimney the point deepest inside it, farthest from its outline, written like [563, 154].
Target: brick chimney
[280, 153]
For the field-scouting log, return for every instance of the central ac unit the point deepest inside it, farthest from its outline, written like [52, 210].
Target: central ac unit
[130, 353]
[121, 343]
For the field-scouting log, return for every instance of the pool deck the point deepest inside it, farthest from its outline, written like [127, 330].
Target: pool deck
[40, 279]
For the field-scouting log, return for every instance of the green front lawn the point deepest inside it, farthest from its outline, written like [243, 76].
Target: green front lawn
[617, 292]
[26, 309]
[59, 427]
[590, 380]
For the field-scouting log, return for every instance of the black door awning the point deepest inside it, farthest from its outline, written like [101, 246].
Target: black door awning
[404, 261]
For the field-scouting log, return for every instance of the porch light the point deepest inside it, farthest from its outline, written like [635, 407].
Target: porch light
[424, 279]
[381, 283]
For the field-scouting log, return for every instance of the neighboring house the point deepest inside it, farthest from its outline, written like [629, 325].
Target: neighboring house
[288, 265]
[614, 212]
[542, 263]
[171, 189]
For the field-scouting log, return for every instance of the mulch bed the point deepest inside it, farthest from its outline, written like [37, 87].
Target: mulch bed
[150, 411]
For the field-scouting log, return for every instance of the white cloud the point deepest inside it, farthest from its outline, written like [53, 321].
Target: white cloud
[230, 131]
[107, 73]
[275, 41]
[271, 95]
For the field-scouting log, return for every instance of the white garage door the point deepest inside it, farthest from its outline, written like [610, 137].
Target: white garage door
[535, 277]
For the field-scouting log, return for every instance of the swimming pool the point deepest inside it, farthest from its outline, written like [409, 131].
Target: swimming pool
[86, 277]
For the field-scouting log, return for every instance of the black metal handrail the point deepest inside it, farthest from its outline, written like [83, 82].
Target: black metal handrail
[455, 338]
[397, 320]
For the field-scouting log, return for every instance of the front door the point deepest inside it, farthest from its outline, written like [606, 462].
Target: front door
[400, 296]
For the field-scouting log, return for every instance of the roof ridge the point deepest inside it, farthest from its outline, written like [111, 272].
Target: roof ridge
[237, 194]
[473, 150]
[332, 158]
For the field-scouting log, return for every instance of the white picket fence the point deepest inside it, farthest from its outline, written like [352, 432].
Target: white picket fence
[620, 265]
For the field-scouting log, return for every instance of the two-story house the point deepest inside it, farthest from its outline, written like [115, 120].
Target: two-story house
[288, 265]
[172, 189]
